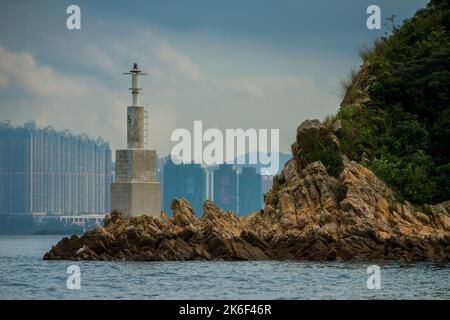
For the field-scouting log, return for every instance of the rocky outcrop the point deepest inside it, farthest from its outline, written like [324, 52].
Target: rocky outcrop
[354, 217]
[217, 235]
[309, 215]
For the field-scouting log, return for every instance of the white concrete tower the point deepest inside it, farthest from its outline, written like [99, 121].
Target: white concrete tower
[135, 190]
[135, 113]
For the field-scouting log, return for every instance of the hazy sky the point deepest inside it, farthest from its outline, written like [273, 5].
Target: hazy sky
[232, 64]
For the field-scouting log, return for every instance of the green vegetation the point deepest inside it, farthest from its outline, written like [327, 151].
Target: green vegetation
[321, 145]
[402, 131]
[278, 185]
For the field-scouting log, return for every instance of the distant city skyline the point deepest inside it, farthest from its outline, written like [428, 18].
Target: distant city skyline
[228, 64]
[48, 171]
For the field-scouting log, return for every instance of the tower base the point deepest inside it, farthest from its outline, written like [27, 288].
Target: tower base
[136, 198]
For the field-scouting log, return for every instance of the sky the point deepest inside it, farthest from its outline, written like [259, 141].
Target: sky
[232, 64]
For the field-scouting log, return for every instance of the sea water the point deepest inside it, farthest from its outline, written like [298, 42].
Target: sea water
[25, 275]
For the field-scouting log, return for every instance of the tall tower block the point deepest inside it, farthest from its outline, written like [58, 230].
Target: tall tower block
[135, 190]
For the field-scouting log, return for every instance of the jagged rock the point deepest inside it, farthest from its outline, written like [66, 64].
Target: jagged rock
[216, 235]
[309, 215]
[315, 141]
[183, 214]
[308, 125]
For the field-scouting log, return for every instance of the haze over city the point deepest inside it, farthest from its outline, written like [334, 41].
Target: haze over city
[250, 65]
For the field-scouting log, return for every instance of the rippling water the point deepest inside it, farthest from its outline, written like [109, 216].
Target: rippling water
[24, 275]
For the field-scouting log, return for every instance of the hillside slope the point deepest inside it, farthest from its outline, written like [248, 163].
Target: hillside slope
[395, 114]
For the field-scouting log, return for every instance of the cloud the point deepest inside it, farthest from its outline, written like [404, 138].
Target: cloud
[37, 92]
[263, 87]
[22, 70]
[3, 81]
[31, 90]
[85, 92]
[167, 53]
[98, 59]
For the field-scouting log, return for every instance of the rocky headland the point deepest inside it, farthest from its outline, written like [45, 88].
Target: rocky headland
[308, 215]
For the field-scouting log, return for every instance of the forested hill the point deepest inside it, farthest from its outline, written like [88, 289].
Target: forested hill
[395, 113]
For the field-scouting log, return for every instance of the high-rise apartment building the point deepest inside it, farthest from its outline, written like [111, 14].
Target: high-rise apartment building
[49, 171]
[184, 181]
[225, 187]
[250, 191]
